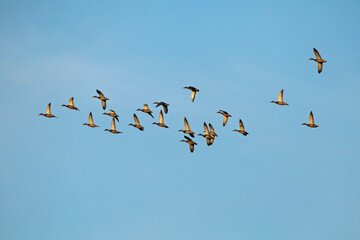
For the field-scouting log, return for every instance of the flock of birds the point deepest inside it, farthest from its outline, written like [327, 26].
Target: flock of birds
[209, 130]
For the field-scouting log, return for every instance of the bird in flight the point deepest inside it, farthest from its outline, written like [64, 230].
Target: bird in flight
[48, 112]
[161, 120]
[226, 116]
[209, 138]
[190, 142]
[102, 98]
[193, 92]
[311, 121]
[113, 114]
[319, 60]
[242, 129]
[91, 121]
[146, 110]
[280, 100]
[71, 104]
[137, 123]
[165, 106]
[187, 128]
[113, 127]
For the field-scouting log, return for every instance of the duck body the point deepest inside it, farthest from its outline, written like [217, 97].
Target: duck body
[193, 90]
[187, 129]
[164, 105]
[112, 114]
[242, 129]
[102, 98]
[311, 123]
[137, 123]
[146, 110]
[280, 100]
[319, 60]
[226, 116]
[190, 142]
[48, 112]
[91, 121]
[71, 104]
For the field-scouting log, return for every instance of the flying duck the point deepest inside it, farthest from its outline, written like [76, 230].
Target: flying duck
[112, 114]
[207, 136]
[226, 116]
[319, 60]
[311, 121]
[193, 92]
[165, 106]
[187, 128]
[113, 127]
[137, 123]
[190, 142]
[161, 120]
[91, 121]
[102, 98]
[242, 129]
[71, 104]
[48, 112]
[280, 100]
[146, 110]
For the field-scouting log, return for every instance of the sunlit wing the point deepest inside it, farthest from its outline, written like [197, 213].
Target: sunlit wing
[320, 67]
[193, 93]
[91, 121]
[161, 117]
[146, 106]
[225, 119]
[206, 129]
[48, 111]
[311, 118]
[211, 128]
[241, 125]
[71, 101]
[113, 126]
[136, 120]
[191, 146]
[100, 93]
[103, 104]
[280, 97]
[187, 127]
[317, 54]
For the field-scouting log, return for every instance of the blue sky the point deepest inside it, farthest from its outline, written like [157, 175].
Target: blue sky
[62, 180]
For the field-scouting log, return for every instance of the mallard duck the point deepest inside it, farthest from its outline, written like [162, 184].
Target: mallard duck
[207, 136]
[319, 60]
[48, 112]
[137, 123]
[102, 98]
[311, 121]
[280, 100]
[226, 116]
[187, 128]
[91, 121]
[242, 129]
[161, 120]
[146, 110]
[164, 105]
[190, 142]
[112, 114]
[71, 104]
[193, 92]
[113, 127]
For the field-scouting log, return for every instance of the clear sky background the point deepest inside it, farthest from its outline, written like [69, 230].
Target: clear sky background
[62, 180]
